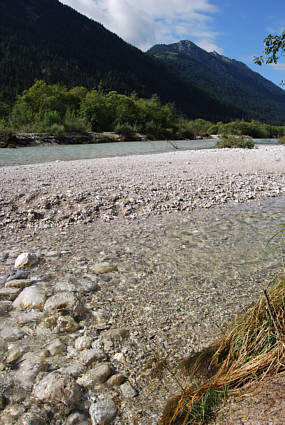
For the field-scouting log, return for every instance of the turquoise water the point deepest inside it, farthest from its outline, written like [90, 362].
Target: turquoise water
[38, 154]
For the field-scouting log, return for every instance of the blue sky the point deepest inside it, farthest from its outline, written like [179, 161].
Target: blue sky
[234, 28]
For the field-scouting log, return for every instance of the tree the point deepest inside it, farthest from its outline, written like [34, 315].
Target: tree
[274, 44]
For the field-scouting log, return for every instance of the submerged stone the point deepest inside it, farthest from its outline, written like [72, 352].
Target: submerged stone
[57, 388]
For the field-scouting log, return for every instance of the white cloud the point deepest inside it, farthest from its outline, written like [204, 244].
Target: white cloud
[144, 23]
[277, 66]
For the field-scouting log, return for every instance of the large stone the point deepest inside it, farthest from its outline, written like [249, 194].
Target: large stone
[28, 371]
[60, 301]
[95, 376]
[104, 267]
[31, 297]
[56, 388]
[26, 260]
[103, 412]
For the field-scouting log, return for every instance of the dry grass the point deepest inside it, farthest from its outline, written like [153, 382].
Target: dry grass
[251, 349]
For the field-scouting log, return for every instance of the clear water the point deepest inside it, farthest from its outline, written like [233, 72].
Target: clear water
[38, 154]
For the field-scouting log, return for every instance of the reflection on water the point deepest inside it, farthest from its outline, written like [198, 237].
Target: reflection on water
[33, 155]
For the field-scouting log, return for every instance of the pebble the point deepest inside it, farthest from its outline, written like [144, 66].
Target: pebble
[60, 301]
[26, 259]
[95, 376]
[104, 267]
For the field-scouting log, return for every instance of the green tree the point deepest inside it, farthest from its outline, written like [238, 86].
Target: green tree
[274, 44]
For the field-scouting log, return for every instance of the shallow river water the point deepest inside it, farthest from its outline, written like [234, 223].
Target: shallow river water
[33, 155]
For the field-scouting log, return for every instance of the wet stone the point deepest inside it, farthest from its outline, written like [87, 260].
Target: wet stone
[66, 324]
[56, 388]
[28, 371]
[104, 267]
[5, 306]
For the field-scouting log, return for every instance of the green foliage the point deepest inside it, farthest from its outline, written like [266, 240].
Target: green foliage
[126, 131]
[274, 44]
[235, 142]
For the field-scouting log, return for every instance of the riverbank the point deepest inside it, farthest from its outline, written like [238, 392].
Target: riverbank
[66, 193]
[177, 270]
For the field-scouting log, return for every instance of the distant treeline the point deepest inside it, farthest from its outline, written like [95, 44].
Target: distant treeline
[57, 110]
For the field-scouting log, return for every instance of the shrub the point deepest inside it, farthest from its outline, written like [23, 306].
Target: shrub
[282, 141]
[244, 142]
[127, 131]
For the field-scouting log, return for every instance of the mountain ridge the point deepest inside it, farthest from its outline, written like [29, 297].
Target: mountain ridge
[225, 78]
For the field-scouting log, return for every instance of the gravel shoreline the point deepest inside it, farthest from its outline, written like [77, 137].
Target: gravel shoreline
[64, 193]
[139, 258]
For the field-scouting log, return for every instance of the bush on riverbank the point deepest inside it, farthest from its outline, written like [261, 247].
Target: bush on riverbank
[243, 142]
[250, 350]
[56, 110]
[282, 141]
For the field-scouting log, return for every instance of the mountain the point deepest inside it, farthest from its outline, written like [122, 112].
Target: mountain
[227, 79]
[44, 39]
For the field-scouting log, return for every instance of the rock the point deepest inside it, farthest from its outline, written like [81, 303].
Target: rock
[31, 297]
[2, 402]
[9, 293]
[83, 343]
[100, 320]
[26, 260]
[77, 419]
[128, 391]
[103, 412]
[95, 376]
[17, 283]
[56, 347]
[74, 369]
[56, 388]
[116, 380]
[28, 371]
[104, 267]
[15, 274]
[13, 354]
[34, 418]
[87, 357]
[67, 324]
[60, 301]
[120, 333]
[11, 333]
[5, 306]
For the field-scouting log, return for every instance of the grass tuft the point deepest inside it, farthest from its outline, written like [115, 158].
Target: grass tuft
[252, 348]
